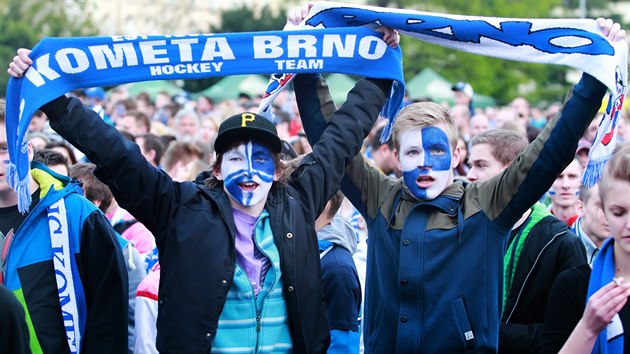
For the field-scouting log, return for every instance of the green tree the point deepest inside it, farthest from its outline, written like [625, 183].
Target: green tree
[248, 19]
[24, 23]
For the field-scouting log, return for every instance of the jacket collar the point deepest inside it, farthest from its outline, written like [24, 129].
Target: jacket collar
[448, 201]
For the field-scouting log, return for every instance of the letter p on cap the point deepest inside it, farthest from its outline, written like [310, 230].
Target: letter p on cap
[247, 117]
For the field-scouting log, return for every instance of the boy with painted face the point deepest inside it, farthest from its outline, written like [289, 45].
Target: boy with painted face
[426, 160]
[435, 246]
[238, 249]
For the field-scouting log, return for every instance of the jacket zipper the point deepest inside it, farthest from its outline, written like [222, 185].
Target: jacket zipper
[257, 331]
[259, 311]
[520, 292]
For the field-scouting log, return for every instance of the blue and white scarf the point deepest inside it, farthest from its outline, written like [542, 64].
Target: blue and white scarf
[571, 42]
[64, 64]
[610, 340]
[69, 286]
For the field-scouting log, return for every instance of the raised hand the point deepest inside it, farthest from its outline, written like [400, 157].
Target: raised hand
[611, 29]
[21, 62]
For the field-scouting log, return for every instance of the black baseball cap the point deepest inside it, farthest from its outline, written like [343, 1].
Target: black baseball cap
[247, 125]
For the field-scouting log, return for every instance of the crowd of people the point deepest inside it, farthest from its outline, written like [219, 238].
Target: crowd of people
[190, 226]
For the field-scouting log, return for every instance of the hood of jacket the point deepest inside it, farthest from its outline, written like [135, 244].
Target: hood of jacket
[51, 183]
[339, 232]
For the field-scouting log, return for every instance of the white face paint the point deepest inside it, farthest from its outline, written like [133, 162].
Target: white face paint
[425, 157]
[248, 173]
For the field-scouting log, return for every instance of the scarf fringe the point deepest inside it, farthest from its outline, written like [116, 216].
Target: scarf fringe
[12, 175]
[593, 172]
[391, 108]
[20, 187]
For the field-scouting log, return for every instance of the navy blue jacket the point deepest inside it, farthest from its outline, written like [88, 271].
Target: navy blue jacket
[435, 268]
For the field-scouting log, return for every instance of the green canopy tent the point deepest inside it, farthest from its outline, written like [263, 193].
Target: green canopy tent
[339, 86]
[429, 84]
[230, 87]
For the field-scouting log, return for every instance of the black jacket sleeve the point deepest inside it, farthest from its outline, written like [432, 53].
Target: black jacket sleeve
[564, 308]
[14, 336]
[105, 285]
[524, 333]
[146, 192]
[321, 172]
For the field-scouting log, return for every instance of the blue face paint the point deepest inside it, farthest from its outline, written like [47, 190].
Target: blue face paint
[437, 151]
[248, 172]
[426, 153]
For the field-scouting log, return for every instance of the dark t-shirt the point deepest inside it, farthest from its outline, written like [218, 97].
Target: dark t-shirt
[10, 219]
[342, 289]
[565, 308]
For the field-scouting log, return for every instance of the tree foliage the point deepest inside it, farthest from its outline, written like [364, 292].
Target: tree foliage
[248, 19]
[241, 19]
[24, 23]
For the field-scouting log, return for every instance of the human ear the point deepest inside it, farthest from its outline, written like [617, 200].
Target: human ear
[455, 157]
[579, 208]
[31, 152]
[277, 174]
[217, 174]
[397, 157]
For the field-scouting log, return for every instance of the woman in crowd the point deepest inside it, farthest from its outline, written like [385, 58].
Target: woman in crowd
[598, 328]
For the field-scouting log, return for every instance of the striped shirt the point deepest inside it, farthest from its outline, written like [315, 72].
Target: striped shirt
[255, 324]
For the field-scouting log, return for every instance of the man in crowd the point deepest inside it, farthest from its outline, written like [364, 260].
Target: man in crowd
[564, 193]
[479, 123]
[151, 147]
[135, 123]
[591, 225]
[39, 265]
[540, 247]
[430, 236]
[383, 157]
[463, 93]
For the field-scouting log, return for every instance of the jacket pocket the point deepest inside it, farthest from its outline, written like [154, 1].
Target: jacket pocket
[464, 328]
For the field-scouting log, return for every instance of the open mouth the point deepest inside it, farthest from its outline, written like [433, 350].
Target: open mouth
[424, 181]
[248, 186]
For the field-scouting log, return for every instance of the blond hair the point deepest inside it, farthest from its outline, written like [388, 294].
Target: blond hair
[423, 114]
[617, 168]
